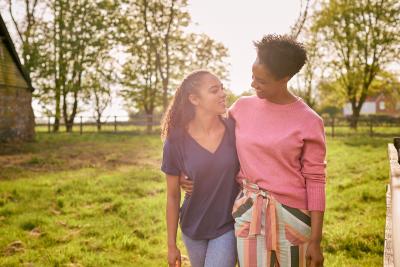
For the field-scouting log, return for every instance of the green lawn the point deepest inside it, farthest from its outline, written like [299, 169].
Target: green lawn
[98, 200]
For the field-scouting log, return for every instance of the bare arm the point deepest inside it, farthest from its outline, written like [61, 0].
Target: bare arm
[314, 252]
[317, 218]
[173, 201]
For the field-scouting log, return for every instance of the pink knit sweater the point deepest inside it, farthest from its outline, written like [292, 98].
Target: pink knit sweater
[282, 149]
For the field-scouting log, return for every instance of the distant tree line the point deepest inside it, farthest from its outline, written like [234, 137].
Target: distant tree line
[76, 51]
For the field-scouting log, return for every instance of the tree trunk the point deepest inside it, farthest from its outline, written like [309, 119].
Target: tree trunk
[98, 123]
[354, 118]
[149, 123]
[69, 125]
[56, 126]
[165, 95]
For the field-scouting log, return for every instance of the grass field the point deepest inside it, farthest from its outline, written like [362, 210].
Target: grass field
[98, 200]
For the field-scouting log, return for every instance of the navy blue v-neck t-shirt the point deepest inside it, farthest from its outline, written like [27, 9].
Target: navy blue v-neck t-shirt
[206, 214]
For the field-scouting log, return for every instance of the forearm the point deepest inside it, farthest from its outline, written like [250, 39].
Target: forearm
[317, 218]
[172, 218]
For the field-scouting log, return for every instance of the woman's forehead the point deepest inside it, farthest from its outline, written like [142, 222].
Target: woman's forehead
[210, 78]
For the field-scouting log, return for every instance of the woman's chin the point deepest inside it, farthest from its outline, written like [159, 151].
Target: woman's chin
[260, 94]
[222, 111]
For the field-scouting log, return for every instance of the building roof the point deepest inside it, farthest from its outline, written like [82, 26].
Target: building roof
[375, 97]
[5, 35]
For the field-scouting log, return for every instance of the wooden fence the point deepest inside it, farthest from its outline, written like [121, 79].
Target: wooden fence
[334, 126]
[367, 125]
[136, 124]
[392, 229]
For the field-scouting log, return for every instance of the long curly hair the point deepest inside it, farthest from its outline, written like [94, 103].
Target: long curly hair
[181, 110]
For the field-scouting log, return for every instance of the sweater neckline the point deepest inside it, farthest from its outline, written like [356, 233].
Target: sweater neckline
[294, 105]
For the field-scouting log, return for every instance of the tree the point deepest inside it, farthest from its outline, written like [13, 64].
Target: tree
[297, 27]
[78, 33]
[141, 81]
[311, 72]
[334, 96]
[159, 53]
[307, 79]
[33, 36]
[27, 30]
[359, 38]
[162, 22]
[202, 52]
[97, 85]
[331, 94]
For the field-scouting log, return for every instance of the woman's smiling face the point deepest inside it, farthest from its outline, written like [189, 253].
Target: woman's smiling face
[264, 82]
[211, 96]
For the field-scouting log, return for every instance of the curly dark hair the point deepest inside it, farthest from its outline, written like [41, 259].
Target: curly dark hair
[282, 55]
[181, 110]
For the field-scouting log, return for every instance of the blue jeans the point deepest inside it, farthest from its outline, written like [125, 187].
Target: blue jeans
[217, 252]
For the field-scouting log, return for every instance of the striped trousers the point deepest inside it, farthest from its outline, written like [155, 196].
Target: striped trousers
[269, 234]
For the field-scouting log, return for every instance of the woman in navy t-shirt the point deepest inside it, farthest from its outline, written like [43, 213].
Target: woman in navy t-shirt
[201, 143]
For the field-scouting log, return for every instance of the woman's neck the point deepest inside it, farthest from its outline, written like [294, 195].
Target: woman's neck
[203, 123]
[283, 98]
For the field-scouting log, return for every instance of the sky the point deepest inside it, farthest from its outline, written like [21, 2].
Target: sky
[237, 25]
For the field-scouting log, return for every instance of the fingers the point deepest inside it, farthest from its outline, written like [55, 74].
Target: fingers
[308, 261]
[182, 179]
[314, 263]
[187, 189]
[176, 262]
[186, 182]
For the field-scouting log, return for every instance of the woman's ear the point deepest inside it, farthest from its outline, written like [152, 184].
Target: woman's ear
[194, 99]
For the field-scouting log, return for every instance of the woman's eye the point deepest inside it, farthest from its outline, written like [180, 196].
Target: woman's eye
[260, 82]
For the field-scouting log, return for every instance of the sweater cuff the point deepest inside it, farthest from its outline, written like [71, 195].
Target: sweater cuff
[316, 197]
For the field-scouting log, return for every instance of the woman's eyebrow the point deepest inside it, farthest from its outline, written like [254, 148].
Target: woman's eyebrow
[217, 85]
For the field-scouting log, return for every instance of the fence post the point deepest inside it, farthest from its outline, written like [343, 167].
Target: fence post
[48, 125]
[333, 126]
[394, 242]
[115, 123]
[81, 126]
[371, 129]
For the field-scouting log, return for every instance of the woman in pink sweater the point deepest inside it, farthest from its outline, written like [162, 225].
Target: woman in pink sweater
[281, 148]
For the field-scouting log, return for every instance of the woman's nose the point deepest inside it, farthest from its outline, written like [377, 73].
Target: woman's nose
[253, 84]
[222, 93]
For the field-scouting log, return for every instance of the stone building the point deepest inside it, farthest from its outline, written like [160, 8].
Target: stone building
[17, 122]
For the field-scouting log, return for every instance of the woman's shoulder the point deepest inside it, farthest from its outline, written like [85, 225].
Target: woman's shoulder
[242, 105]
[246, 99]
[174, 138]
[229, 123]
[310, 114]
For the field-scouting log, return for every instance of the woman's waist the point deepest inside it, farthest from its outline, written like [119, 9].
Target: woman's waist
[292, 196]
[275, 183]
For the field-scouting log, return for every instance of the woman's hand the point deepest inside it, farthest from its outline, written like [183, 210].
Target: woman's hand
[314, 255]
[174, 256]
[186, 184]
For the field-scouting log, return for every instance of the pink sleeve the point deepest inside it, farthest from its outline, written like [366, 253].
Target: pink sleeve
[313, 166]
